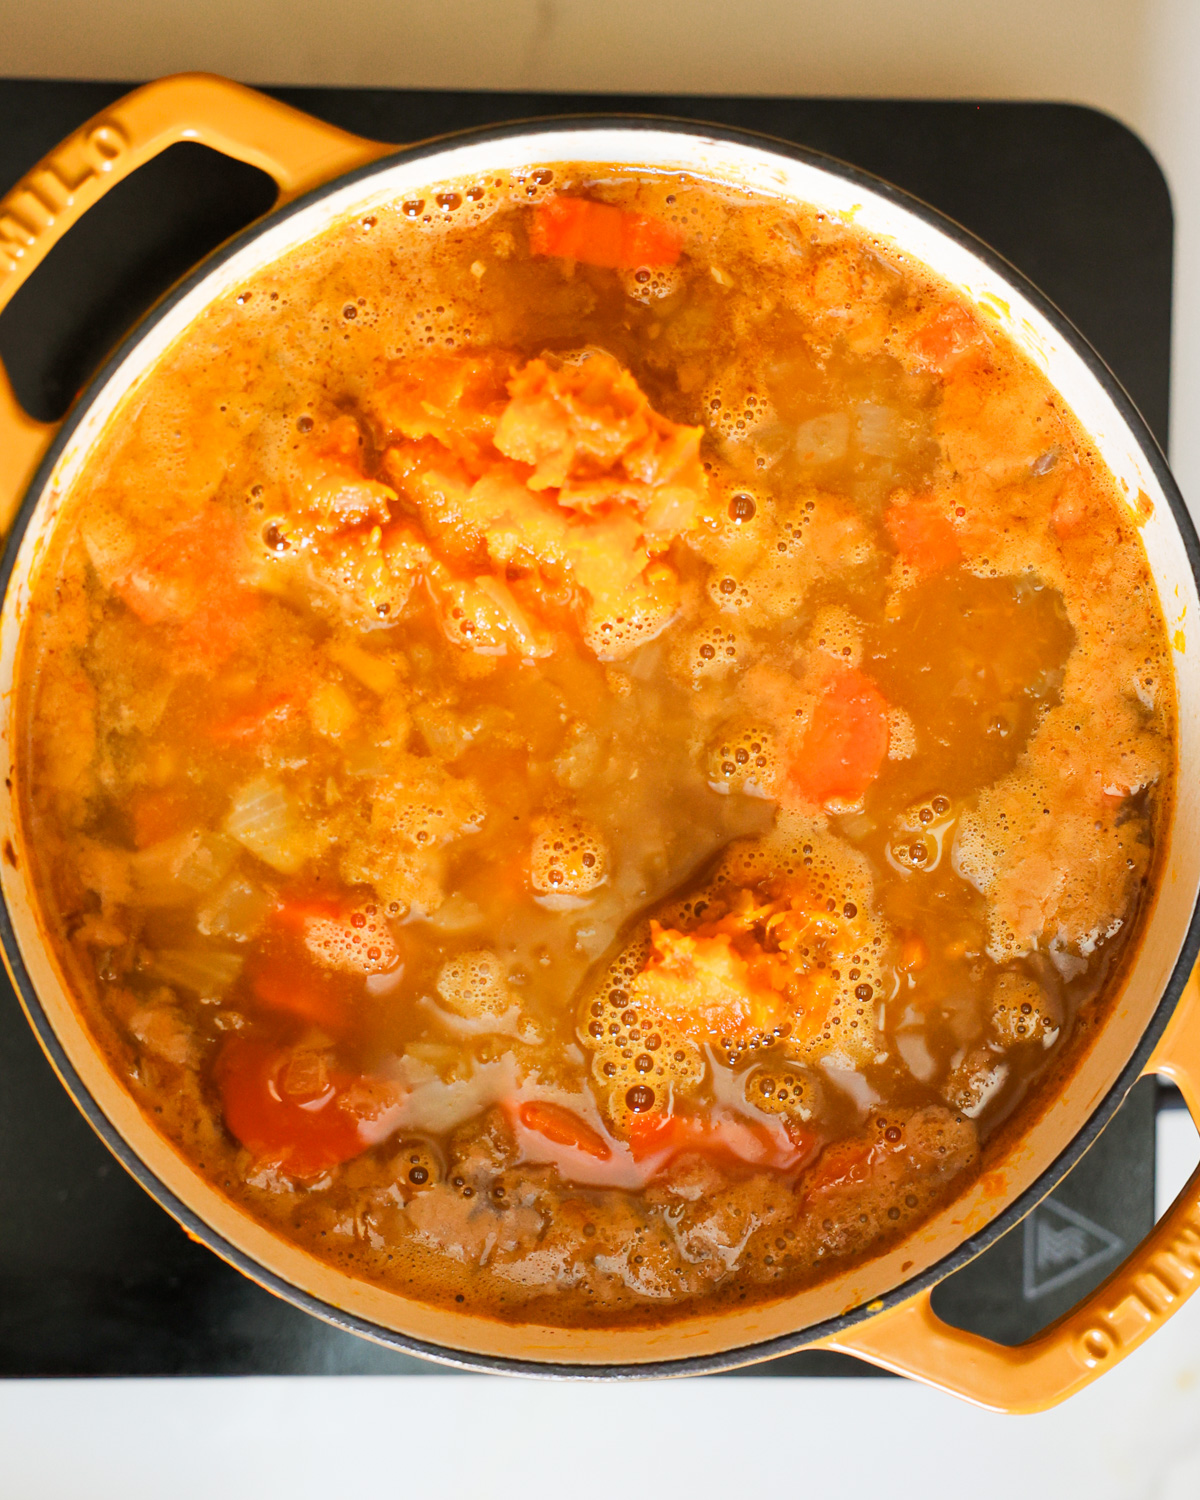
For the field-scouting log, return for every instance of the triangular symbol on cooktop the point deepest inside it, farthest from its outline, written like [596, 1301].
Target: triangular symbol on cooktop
[1061, 1244]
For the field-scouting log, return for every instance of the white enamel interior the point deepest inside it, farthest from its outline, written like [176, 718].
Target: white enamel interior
[763, 171]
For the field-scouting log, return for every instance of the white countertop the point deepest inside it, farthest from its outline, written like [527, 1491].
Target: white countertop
[1135, 1435]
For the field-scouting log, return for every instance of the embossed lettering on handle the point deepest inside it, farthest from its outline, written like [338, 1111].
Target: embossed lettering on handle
[1145, 1299]
[33, 208]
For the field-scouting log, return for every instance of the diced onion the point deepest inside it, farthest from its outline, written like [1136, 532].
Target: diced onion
[770, 442]
[457, 914]
[208, 862]
[105, 871]
[175, 871]
[530, 641]
[369, 761]
[877, 430]
[264, 820]
[914, 1050]
[823, 439]
[110, 544]
[858, 826]
[331, 711]
[201, 970]
[372, 671]
[236, 910]
[446, 733]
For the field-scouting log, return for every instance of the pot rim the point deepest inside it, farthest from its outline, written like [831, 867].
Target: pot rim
[968, 1248]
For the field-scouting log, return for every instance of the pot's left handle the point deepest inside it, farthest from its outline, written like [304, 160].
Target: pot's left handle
[299, 152]
[1158, 1277]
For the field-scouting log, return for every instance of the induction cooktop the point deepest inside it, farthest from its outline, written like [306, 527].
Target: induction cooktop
[95, 1278]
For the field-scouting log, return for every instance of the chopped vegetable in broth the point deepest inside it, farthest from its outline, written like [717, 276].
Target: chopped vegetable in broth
[592, 739]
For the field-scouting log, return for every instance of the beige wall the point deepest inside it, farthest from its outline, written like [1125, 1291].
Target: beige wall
[1092, 51]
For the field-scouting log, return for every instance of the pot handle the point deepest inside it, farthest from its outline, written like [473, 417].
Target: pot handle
[299, 152]
[1155, 1280]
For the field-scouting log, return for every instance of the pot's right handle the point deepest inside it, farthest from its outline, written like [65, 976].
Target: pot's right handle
[1159, 1276]
[299, 152]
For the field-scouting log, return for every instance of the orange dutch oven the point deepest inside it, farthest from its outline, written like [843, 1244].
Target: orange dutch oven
[878, 1309]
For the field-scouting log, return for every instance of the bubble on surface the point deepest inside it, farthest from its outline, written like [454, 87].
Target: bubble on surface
[880, 1181]
[902, 735]
[837, 935]
[710, 653]
[1022, 1011]
[1057, 866]
[474, 984]
[360, 943]
[418, 1167]
[641, 617]
[569, 856]
[924, 834]
[809, 920]
[777, 1089]
[836, 632]
[620, 1040]
[745, 758]
[764, 569]
[429, 822]
[650, 283]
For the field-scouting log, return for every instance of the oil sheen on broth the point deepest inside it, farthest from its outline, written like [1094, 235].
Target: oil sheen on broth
[591, 738]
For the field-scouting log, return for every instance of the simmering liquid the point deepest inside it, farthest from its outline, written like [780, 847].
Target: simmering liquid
[589, 739]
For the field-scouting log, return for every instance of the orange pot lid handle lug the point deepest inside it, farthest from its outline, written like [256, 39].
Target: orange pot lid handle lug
[1156, 1279]
[298, 151]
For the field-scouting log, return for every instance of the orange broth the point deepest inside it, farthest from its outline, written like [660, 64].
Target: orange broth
[591, 738]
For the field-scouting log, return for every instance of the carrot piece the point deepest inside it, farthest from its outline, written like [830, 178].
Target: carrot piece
[846, 741]
[293, 1111]
[782, 1146]
[258, 722]
[922, 535]
[211, 636]
[294, 986]
[175, 578]
[600, 234]
[295, 912]
[157, 815]
[651, 1133]
[839, 1165]
[563, 1128]
[914, 953]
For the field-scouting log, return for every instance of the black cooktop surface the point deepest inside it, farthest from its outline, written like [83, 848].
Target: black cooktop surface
[95, 1279]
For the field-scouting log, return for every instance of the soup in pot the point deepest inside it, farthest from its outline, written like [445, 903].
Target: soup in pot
[590, 740]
